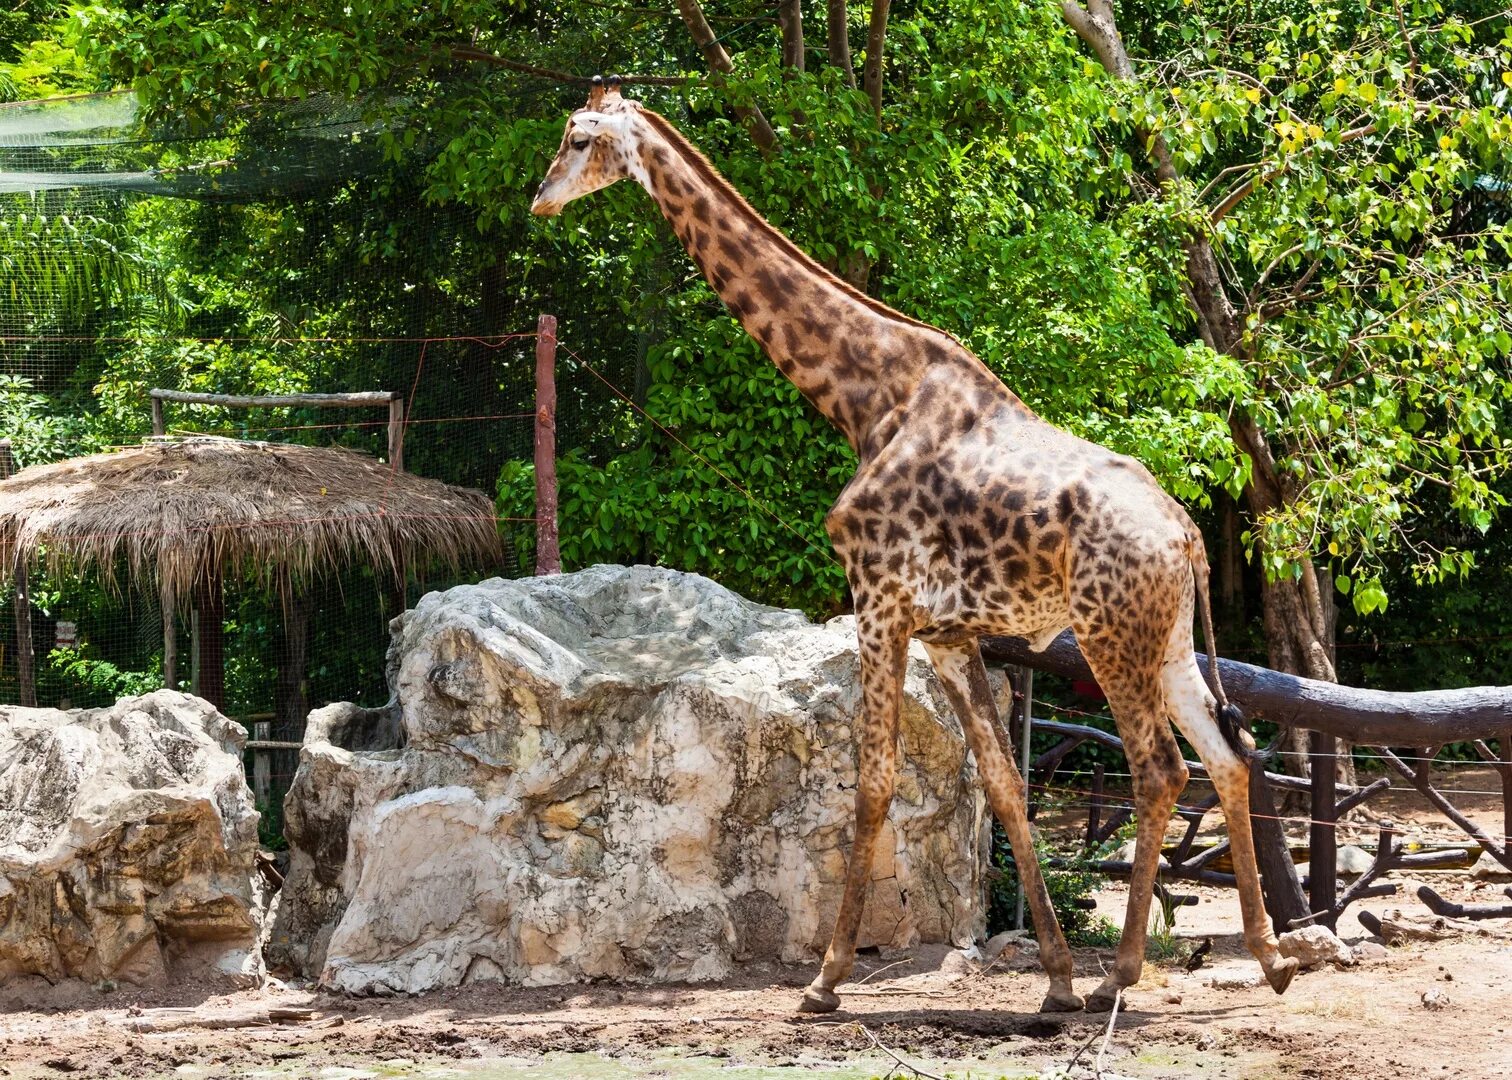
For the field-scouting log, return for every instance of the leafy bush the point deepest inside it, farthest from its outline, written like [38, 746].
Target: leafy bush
[1070, 885]
[99, 682]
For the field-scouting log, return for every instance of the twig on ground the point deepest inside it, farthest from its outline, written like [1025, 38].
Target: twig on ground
[893, 991]
[1080, 1050]
[1097, 1067]
[902, 1063]
[884, 967]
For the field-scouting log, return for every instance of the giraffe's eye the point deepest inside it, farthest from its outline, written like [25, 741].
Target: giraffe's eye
[581, 144]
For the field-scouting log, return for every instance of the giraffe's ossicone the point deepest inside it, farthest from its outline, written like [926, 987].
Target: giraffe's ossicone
[968, 515]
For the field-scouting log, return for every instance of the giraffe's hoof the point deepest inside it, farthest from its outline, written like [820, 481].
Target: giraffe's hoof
[816, 999]
[1102, 999]
[1281, 972]
[1061, 1002]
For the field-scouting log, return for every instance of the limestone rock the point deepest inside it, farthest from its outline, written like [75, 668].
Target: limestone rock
[1314, 946]
[1236, 978]
[127, 842]
[625, 773]
[1370, 952]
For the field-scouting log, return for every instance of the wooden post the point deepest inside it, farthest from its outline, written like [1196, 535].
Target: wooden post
[1506, 783]
[1284, 901]
[548, 551]
[396, 433]
[195, 667]
[210, 617]
[1094, 811]
[26, 682]
[170, 638]
[1323, 834]
[159, 426]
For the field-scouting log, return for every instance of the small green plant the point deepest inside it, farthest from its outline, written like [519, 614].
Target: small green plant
[1161, 943]
[1070, 882]
[270, 835]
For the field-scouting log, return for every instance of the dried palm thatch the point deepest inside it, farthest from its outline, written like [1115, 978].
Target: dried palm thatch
[179, 512]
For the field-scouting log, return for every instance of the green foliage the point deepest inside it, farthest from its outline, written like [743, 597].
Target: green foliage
[270, 835]
[1070, 883]
[95, 682]
[34, 426]
[1350, 164]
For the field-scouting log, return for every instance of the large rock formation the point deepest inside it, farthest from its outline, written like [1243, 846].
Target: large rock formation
[128, 842]
[625, 772]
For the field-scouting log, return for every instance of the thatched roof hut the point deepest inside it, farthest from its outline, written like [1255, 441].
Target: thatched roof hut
[182, 514]
[173, 510]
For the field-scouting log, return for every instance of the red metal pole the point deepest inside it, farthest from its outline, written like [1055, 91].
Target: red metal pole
[548, 552]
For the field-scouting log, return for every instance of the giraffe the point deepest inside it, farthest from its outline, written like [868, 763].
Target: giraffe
[967, 515]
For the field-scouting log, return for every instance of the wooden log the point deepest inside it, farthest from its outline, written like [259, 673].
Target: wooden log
[1279, 886]
[1371, 717]
[1449, 909]
[548, 549]
[360, 400]
[1094, 810]
[1193, 816]
[1120, 868]
[176, 1019]
[1387, 852]
[1394, 925]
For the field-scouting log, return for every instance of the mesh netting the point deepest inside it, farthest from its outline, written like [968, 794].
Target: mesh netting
[303, 263]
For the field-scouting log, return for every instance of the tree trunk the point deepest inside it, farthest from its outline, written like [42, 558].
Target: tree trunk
[876, 41]
[1299, 619]
[292, 704]
[839, 41]
[210, 611]
[790, 19]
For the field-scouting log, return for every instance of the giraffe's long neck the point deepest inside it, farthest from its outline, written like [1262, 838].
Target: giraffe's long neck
[855, 359]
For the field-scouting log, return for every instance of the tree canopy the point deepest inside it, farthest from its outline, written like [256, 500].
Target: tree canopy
[1261, 247]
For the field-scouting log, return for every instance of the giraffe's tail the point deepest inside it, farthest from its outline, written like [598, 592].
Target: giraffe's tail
[1231, 721]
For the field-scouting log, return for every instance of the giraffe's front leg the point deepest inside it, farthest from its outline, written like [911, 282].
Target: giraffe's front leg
[965, 682]
[884, 651]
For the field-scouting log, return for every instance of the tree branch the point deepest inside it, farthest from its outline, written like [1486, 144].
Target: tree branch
[721, 64]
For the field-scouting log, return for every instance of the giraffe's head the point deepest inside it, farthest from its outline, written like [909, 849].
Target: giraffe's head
[595, 150]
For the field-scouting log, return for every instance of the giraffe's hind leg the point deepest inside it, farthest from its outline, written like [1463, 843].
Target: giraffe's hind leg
[1192, 709]
[965, 682]
[1159, 775]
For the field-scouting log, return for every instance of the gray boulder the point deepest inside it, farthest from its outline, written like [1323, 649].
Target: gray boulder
[128, 841]
[626, 773]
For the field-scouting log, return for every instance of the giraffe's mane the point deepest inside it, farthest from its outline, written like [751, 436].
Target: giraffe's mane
[715, 179]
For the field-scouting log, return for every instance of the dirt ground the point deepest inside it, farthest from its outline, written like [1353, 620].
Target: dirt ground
[933, 1010]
